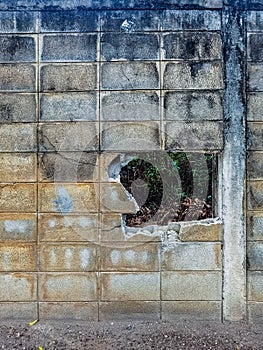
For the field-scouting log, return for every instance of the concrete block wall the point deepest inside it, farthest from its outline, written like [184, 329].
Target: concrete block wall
[84, 87]
[255, 167]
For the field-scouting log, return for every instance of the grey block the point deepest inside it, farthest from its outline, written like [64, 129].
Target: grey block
[191, 310]
[192, 285]
[255, 77]
[129, 46]
[68, 107]
[16, 48]
[69, 47]
[255, 165]
[255, 226]
[69, 21]
[128, 106]
[255, 21]
[17, 108]
[17, 77]
[190, 20]
[255, 255]
[193, 46]
[255, 195]
[74, 136]
[68, 77]
[255, 282]
[18, 311]
[255, 312]
[67, 167]
[69, 311]
[18, 137]
[17, 22]
[129, 310]
[255, 47]
[129, 76]
[194, 136]
[130, 21]
[193, 75]
[255, 106]
[18, 287]
[255, 136]
[130, 136]
[192, 106]
[184, 256]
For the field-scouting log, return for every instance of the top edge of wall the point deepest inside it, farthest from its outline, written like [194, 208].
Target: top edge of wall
[20, 5]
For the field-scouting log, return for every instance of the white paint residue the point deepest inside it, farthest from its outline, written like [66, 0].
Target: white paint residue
[16, 226]
[68, 221]
[68, 256]
[51, 223]
[144, 257]
[130, 256]
[115, 257]
[84, 222]
[6, 257]
[84, 258]
[53, 258]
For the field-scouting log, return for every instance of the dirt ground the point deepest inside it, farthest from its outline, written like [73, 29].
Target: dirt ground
[131, 335]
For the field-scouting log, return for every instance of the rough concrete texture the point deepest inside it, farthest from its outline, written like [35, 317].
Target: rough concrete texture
[85, 86]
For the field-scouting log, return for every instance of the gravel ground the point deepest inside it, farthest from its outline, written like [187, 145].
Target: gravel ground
[131, 335]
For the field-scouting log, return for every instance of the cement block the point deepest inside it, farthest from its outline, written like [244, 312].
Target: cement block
[70, 311]
[255, 312]
[191, 310]
[255, 226]
[129, 46]
[16, 48]
[68, 198]
[114, 198]
[130, 21]
[18, 167]
[111, 228]
[130, 136]
[255, 195]
[190, 20]
[68, 107]
[18, 137]
[130, 257]
[69, 21]
[68, 257]
[255, 47]
[193, 256]
[69, 47]
[68, 228]
[17, 257]
[17, 77]
[255, 255]
[255, 282]
[129, 76]
[255, 136]
[194, 136]
[17, 227]
[193, 75]
[67, 166]
[129, 310]
[74, 136]
[255, 21]
[192, 285]
[192, 46]
[18, 311]
[68, 286]
[192, 106]
[255, 77]
[20, 198]
[18, 287]
[68, 77]
[255, 165]
[204, 231]
[17, 108]
[130, 106]
[130, 286]
[255, 105]
[17, 22]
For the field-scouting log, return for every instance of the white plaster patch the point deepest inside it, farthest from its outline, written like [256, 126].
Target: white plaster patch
[84, 258]
[84, 222]
[115, 256]
[16, 226]
[51, 223]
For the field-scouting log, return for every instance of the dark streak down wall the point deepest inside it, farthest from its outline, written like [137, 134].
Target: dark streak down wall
[83, 82]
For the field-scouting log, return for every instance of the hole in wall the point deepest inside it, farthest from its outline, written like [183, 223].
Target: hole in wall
[175, 186]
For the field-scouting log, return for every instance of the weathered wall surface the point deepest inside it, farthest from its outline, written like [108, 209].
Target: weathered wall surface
[82, 84]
